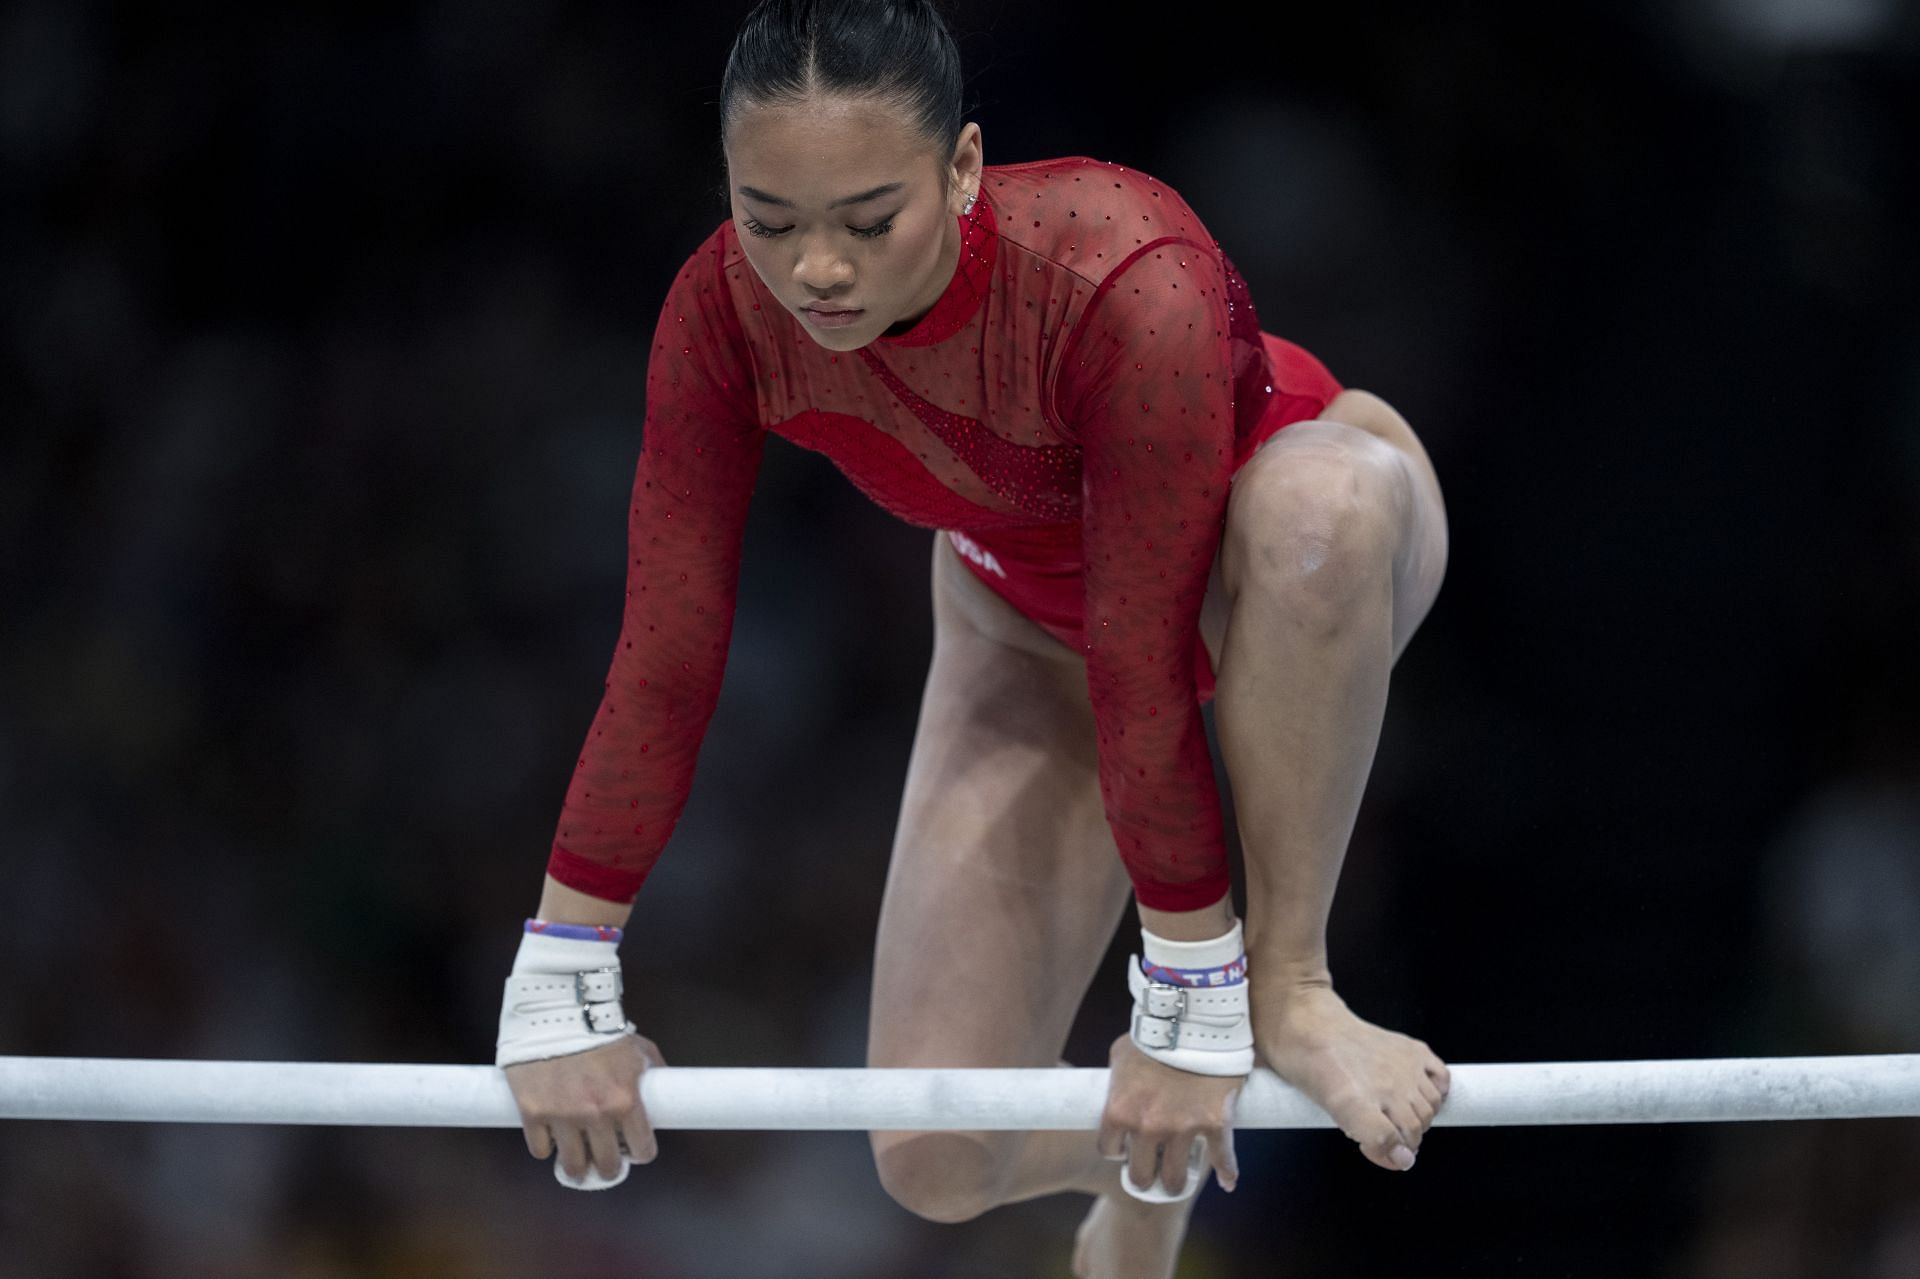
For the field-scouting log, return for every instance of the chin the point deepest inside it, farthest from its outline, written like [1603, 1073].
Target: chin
[847, 339]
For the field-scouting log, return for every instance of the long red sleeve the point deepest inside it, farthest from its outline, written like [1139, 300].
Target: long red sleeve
[1150, 390]
[1070, 410]
[700, 454]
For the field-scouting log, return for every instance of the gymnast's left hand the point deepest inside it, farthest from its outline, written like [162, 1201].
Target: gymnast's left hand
[1155, 1113]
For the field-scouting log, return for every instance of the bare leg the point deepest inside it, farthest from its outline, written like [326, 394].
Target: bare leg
[1335, 546]
[1004, 890]
[1003, 863]
[1002, 895]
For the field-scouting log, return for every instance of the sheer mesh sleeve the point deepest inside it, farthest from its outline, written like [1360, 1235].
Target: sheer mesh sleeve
[1148, 388]
[700, 454]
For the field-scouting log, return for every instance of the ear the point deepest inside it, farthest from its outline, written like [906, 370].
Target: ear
[964, 169]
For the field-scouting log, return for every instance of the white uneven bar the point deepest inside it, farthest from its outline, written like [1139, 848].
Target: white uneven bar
[1574, 1092]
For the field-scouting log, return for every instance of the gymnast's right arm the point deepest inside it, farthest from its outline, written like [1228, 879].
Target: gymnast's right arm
[573, 1060]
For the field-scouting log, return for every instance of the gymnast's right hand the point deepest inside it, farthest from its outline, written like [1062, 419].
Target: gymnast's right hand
[587, 1106]
[572, 1058]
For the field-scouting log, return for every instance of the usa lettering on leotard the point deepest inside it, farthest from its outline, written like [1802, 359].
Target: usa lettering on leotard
[971, 549]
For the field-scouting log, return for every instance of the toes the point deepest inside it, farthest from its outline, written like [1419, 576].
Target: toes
[1432, 1094]
[1380, 1138]
[1442, 1077]
[1412, 1127]
[1399, 1156]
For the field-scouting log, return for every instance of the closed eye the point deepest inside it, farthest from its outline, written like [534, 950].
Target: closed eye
[761, 229]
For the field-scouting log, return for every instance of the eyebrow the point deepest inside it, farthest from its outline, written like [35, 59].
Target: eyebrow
[753, 193]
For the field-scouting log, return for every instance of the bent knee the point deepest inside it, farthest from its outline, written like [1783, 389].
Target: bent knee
[941, 1176]
[1319, 512]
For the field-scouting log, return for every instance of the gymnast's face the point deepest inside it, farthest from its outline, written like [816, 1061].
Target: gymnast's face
[842, 206]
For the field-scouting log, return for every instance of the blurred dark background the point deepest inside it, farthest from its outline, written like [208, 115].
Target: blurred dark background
[321, 370]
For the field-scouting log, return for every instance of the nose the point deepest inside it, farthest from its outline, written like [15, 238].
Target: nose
[822, 270]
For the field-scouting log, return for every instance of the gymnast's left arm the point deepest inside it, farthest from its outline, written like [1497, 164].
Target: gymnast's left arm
[1149, 392]
[1151, 396]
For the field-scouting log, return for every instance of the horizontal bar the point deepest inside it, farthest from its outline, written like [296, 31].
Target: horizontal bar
[1575, 1092]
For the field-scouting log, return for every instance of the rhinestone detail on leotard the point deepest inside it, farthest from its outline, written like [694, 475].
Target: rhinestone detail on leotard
[1040, 479]
[1074, 405]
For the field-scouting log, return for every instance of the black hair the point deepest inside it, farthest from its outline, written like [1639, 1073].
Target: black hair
[898, 50]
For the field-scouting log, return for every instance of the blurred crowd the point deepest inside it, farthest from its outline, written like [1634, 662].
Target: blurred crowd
[322, 344]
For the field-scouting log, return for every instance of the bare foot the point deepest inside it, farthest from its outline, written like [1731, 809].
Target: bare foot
[1380, 1086]
[1124, 1238]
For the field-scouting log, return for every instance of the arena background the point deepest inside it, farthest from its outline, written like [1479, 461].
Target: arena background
[321, 391]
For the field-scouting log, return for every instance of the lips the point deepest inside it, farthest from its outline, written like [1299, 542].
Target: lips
[841, 318]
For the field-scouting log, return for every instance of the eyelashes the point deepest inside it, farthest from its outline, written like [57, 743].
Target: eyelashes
[862, 232]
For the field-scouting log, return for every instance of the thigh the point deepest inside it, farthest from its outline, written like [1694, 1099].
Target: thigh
[1420, 557]
[1005, 885]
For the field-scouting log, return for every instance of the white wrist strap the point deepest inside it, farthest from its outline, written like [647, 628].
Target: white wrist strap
[1207, 1030]
[563, 997]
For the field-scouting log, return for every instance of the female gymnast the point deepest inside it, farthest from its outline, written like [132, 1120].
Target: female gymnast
[1140, 501]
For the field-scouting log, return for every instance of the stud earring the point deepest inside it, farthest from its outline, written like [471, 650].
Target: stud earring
[967, 209]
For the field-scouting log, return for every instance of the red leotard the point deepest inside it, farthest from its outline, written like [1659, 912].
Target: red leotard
[1072, 408]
